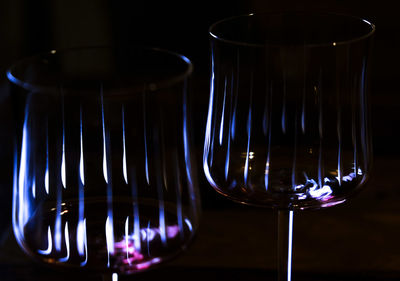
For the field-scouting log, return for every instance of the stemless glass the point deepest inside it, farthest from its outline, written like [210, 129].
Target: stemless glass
[288, 124]
[103, 176]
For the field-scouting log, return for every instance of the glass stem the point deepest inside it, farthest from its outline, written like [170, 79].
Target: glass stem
[110, 277]
[285, 238]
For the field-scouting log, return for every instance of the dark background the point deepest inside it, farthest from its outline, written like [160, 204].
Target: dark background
[28, 27]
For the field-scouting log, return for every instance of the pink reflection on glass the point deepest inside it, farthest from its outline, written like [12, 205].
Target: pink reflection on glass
[127, 246]
[131, 258]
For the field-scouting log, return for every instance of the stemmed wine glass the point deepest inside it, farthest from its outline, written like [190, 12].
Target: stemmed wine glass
[288, 117]
[104, 175]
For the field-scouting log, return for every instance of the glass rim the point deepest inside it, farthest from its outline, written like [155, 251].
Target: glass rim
[310, 45]
[18, 81]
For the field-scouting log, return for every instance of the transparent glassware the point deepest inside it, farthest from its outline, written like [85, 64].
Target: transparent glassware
[288, 118]
[104, 175]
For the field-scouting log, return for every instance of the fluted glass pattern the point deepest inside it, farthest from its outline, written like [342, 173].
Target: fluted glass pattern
[104, 176]
[288, 122]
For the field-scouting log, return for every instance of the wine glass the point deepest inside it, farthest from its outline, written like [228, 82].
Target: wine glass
[104, 175]
[288, 117]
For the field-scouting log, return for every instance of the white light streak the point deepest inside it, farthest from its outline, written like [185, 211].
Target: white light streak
[290, 242]
[67, 246]
[63, 169]
[124, 168]
[105, 172]
[127, 239]
[49, 244]
[109, 239]
[81, 165]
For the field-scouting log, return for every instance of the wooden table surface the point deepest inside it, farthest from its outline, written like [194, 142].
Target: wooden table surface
[358, 240]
